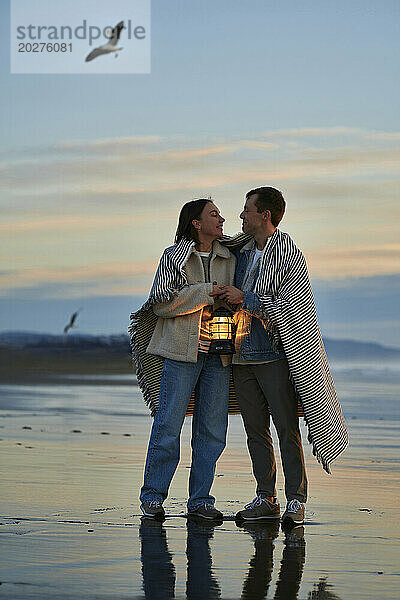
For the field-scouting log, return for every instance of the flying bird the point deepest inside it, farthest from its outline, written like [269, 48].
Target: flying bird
[71, 323]
[111, 44]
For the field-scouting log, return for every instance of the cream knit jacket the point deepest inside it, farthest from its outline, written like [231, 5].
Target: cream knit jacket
[176, 334]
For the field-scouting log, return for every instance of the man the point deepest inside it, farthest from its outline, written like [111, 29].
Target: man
[280, 361]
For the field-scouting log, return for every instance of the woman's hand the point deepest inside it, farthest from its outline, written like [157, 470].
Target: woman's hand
[217, 290]
[229, 293]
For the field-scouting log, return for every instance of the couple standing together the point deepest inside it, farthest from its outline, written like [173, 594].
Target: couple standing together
[280, 369]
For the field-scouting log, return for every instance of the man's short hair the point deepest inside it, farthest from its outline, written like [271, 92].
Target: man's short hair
[268, 198]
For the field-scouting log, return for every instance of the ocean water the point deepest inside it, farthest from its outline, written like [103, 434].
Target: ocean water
[71, 467]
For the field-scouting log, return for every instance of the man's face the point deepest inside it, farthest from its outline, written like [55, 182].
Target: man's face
[252, 220]
[211, 221]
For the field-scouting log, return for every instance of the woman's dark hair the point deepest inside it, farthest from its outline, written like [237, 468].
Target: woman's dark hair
[191, 210]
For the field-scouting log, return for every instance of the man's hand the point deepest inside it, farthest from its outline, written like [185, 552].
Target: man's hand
[229, 293]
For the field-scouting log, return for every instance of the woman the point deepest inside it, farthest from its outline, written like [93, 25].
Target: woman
[189, 271]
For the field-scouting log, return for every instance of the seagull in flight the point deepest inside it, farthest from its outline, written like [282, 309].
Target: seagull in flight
[71, 323]
[111, 44]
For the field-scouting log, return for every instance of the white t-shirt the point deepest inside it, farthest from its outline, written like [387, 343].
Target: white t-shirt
[257, 256]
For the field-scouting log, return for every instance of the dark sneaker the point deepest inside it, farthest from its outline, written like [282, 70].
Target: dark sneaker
[153, 508]
[206, 511]
[259, 508]
[294, 513]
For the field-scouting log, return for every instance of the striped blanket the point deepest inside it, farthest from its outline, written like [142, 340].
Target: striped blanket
[170, 277]
[285, 294]
[287, 303]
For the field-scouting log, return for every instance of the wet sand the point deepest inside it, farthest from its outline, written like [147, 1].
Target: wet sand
[71, 467]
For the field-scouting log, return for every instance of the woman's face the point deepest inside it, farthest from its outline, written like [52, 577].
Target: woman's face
[210, 223]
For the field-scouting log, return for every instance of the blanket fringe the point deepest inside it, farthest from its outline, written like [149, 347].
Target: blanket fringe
[273, 334]
[320, 459]
[136, 360]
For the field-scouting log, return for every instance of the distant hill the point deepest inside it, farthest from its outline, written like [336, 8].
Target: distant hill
[353, 350]
[34, 356]
[118, 345]
[64, 343]
[26, 355]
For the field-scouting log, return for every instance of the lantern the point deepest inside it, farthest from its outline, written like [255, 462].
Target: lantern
[222, 332]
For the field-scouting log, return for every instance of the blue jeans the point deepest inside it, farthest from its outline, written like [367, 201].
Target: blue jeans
[210, 380]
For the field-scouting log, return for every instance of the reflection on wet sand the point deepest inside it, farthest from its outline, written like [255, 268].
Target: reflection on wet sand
[159, 572]
[261, 564]
[321, 591]
[201, 583]
[292, 564]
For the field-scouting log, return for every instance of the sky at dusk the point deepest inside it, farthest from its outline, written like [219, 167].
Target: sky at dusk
[302, 96]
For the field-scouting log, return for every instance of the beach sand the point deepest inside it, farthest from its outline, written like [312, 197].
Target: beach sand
[72, 456]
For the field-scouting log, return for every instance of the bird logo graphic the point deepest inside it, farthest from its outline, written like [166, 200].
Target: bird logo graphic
[110, 46]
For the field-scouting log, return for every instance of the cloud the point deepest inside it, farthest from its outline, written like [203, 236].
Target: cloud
[101, 275]
[190, 153]
[107, 144]
[176, 174]
[395, 135]
[365, 260]
[258, 145]
[62, 223]
[306, 132]
[311, 166]
[351, 158]
[77, 223]
[136, 171]
[68, 290]
[358, 190]
[136, 277]
[114, 195]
